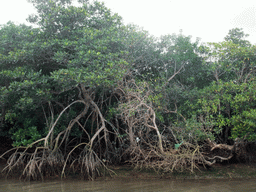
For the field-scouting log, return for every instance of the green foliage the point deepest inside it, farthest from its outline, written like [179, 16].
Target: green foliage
[24, 129]
[176, 146]
[71, 46]
[24, 137]
[229, 100]
[245, 125]
[194, 130]
[205, 89]
[237, 36]
[230, 61]
[178, 51]
[229, 106]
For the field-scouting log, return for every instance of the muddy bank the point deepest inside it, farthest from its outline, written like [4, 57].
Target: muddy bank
[217, 171]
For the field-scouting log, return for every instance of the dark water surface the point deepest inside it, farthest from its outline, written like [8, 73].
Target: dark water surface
[234, 185]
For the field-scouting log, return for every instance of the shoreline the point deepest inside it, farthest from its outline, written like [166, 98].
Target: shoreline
[218, 171]
[128, 172]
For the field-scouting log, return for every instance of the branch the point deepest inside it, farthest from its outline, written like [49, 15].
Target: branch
[177, 72]
[52, 128]
[213, 146]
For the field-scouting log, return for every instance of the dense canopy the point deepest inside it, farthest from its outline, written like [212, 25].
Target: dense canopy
[80, 86]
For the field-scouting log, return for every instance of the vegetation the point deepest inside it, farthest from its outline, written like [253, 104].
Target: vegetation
[82, 90]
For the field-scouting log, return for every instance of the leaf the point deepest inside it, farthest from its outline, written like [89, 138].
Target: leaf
[176, 146]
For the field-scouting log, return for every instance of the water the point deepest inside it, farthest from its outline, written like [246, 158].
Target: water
[132, 185]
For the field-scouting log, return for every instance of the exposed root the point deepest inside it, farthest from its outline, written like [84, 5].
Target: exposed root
[188, 157]
[34, 165]
[54, 156]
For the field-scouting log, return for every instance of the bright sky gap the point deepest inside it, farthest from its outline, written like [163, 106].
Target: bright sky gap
[208, 20]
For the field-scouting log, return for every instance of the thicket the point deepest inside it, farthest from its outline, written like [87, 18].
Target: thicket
[80, 90]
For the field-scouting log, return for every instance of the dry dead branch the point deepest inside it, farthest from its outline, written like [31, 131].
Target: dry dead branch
[137, 111]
